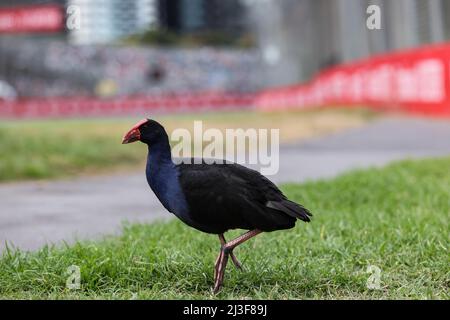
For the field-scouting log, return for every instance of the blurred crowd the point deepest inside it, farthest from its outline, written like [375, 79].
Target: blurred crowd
[55, 68]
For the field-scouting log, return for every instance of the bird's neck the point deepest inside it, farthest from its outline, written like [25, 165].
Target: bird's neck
[162, 176]
[159, 154]
[160, 169]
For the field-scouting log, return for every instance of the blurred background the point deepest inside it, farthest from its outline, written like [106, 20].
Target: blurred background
[111, 48]
[76, 74]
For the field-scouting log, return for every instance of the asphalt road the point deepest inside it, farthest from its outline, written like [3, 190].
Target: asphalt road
[34, 213]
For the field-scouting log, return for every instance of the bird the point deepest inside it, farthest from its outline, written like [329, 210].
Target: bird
[214, 197]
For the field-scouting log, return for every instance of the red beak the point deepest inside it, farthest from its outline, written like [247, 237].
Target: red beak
[134, 134]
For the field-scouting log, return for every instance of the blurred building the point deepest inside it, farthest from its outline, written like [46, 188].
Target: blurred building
[300, 37]
[75, 54]
[295, 38]
[186, 16]
[105, 21]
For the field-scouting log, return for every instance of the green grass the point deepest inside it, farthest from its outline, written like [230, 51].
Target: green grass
[395, 218]
[63, 148]
[50, 149]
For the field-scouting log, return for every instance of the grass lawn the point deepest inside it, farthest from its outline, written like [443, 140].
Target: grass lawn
[61, 148]
[395, 218]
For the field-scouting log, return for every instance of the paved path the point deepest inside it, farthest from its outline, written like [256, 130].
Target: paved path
[38, 212]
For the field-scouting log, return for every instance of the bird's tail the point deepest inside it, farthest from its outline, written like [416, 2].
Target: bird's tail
[291, 208]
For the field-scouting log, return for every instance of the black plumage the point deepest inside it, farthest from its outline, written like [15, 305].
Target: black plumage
[214, 198]
[230, 196]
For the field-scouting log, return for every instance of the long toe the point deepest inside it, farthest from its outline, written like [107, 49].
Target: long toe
[220, 271]
[217, 283]
[236, 261]
[217, 286]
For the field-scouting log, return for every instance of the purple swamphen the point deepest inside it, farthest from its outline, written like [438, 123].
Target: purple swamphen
[214, 198]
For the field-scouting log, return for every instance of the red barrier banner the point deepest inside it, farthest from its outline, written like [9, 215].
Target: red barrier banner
[36, 18]
[129, 106]
[412, 81]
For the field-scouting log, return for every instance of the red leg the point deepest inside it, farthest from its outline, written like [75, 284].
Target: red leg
[236, 262]
[226, 250]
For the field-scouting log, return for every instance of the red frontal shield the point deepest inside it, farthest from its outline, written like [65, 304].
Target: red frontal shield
[133, 134]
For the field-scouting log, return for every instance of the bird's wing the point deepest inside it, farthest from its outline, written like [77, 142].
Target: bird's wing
[274, 198]
[233, 194]
[228, 180]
